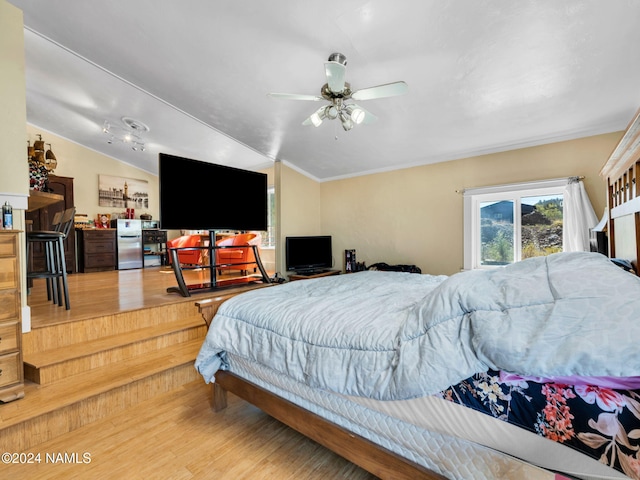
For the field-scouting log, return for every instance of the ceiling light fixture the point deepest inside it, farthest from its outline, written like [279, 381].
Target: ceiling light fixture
[356, 113]
[318, 116]
[350, 115]
[337, 91]
[130, 133]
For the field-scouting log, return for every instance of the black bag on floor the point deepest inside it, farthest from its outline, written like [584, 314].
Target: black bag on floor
[384, 267]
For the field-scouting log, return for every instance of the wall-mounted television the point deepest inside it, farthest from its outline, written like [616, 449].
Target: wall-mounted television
[197, 195]
[308, 254]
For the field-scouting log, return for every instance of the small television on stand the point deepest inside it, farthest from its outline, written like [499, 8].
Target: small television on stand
[308, 255]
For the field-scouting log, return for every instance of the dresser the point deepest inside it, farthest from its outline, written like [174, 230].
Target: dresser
[96, 250]
[11, 367]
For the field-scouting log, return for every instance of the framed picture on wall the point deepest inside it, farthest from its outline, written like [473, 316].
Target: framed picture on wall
[120, 192]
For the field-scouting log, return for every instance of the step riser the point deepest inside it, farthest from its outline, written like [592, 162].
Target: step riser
[25, 435]
[93, 368]
[62, 335]
[49, 374]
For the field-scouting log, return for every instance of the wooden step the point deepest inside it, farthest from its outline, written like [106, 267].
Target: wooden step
[87, 329]
[48, 366]
[48, 411]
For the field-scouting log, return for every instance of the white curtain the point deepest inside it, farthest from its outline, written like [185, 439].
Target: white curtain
[579, 217]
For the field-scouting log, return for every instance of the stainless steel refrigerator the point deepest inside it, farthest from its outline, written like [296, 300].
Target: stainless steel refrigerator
[129, 239]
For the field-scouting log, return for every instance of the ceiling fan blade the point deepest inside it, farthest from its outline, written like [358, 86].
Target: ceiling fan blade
[335, 76]
[295, 96]
[381, 91]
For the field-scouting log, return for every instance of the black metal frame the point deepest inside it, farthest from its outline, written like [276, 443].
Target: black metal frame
[214, 285]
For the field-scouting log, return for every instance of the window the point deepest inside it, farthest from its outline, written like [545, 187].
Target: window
[269, 239]
[508, 223]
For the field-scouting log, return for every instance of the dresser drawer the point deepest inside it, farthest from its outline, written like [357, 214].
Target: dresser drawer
[100, 260]
[8, 269]
[9, 333]
[100, 246]
[9, 304]
[10, 366]
[8, 247]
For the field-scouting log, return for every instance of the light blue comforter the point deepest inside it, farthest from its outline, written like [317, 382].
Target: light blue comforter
[389, 335]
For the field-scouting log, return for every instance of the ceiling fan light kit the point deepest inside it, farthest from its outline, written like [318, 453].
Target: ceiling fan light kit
[337, 91]
[129, 133]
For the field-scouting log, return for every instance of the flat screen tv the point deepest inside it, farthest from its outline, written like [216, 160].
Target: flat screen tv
[308, 254]
[197, 195]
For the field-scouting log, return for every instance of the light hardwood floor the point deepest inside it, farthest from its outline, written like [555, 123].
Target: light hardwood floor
[178, 436]
[174, 435]
[93, 294]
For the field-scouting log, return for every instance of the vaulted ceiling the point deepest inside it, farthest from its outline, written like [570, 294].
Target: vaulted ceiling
[483, 76]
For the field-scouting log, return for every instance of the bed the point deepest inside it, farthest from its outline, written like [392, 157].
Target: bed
[529, 371]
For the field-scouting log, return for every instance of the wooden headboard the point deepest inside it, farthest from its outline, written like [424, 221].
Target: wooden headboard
[622, 174]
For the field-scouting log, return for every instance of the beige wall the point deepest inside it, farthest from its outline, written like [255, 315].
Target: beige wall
[297, 208]
[14, 171]
[415, 216]
[85, 165]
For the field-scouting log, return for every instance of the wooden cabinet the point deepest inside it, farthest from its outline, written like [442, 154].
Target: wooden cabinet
[42, 218]
[96, 250]
[11, 367]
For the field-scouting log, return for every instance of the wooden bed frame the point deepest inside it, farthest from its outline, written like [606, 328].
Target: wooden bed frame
[622, 174]
[364, 453]
[375, 459]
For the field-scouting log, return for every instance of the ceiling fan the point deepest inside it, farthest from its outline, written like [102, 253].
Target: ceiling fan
[338, 93]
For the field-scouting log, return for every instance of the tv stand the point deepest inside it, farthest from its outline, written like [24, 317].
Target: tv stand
[215, 284]
[312, 274]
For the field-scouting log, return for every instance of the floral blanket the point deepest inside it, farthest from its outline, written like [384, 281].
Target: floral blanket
[601, 422]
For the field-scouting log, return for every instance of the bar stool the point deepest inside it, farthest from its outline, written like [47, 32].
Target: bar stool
[55, 262]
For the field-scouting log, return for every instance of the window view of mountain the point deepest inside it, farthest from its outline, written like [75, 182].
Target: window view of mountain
[540, 227]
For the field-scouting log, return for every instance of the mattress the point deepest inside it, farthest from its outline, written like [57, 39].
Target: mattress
[450, 439]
